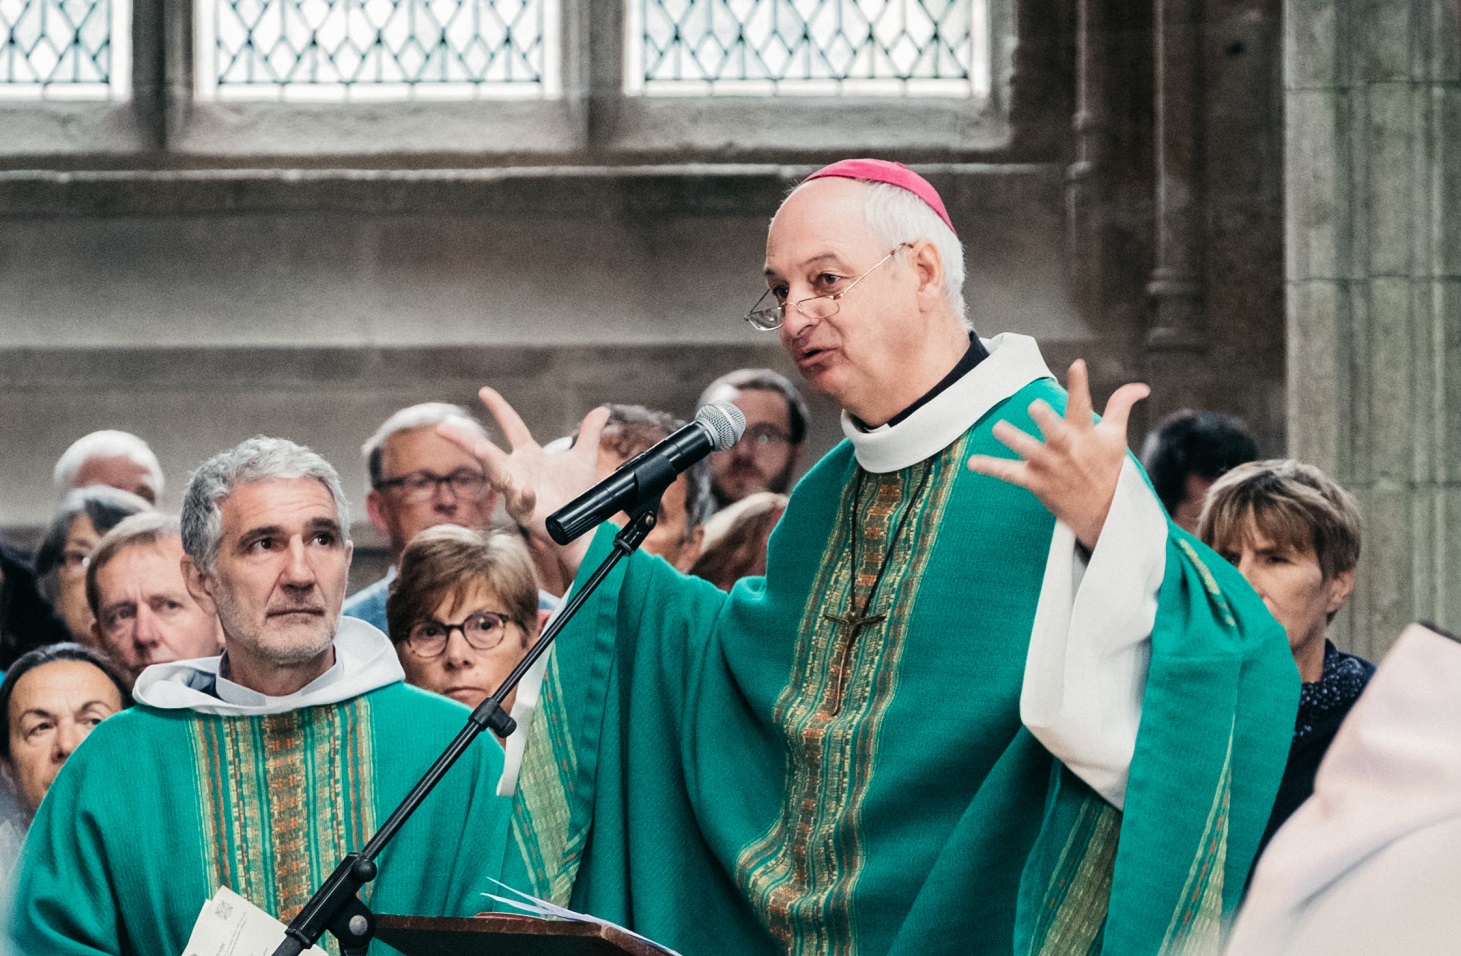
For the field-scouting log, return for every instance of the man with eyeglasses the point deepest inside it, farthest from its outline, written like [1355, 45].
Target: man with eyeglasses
[261, 768]
[768, 452]
[418, 480]
[986, 699]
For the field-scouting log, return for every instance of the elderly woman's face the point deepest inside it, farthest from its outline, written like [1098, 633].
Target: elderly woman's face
[455, 667]
[52, 709]
[81, 541]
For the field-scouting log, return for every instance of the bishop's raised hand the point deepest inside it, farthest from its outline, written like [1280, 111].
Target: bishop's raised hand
[534, 483]
[1075, 469]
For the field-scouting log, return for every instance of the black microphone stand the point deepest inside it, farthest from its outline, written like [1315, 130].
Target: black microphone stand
[336, 905]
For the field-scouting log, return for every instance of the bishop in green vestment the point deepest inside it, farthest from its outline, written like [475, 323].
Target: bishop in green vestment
[977, 704]
[261, 769]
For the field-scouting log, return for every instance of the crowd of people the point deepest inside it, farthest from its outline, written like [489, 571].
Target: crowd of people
[724, 743]
[106, 595]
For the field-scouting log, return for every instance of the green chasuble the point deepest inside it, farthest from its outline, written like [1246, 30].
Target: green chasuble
[160, 807]
[776, 771]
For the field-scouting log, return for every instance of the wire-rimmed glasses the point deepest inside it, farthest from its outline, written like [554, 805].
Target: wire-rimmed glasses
[814, 306]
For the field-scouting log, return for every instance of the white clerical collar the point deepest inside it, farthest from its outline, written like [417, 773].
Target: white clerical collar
[1014, 361]
[365, 659]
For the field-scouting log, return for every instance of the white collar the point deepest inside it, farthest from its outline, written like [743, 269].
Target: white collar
[1014, 361]
[365, 659]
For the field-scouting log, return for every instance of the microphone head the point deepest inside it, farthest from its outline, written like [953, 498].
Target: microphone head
[724, 422]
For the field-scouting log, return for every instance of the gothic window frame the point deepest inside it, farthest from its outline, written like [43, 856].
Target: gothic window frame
[766, 127]
[592, 119]
[62, 125]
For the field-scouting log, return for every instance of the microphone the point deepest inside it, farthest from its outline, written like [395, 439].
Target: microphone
[645, 477]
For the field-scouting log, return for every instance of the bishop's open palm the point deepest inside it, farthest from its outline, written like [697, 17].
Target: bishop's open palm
[1075, 469]
[534, 483]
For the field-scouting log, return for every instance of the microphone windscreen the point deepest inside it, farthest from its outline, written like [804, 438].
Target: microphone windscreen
[725, 423]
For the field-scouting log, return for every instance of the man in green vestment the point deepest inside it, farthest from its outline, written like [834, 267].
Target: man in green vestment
[260, 769]
[978, 703]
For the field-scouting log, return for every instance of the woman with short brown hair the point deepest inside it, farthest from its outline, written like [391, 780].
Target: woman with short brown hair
[1294, 534]
[463, 610]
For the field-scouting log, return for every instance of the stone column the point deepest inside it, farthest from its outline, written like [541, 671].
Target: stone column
[1177, 281]
[1373, 222]
[1084, 178]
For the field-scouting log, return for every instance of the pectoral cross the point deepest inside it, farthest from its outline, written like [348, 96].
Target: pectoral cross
[853, 623]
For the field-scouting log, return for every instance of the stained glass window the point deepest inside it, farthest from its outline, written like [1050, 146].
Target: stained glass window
[377, 49]
[65, 49]
[815, 47]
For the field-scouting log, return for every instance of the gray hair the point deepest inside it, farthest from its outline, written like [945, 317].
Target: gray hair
[104, 444]
[896, 216]
[415, 416]
[257, 459]
[147, 528]
[103, 505]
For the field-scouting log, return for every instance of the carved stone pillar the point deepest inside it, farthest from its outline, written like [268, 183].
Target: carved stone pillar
[1084, 196]
[1177, 281]
[1373, 183]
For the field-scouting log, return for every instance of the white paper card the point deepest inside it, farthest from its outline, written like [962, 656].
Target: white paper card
[230, 925]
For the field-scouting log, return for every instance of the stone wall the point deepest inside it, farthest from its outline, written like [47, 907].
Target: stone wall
[198, 312]
[199, 288]
[1373, 95]
[1175, 200]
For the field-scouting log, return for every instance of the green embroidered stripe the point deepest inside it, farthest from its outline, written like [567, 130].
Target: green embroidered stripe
[773, 869]
[1079, 892]
[250, 842]
[1196, 927]
[542, 812]
[212, 812]
[1208, 581]
[283, 746]
[802, 873]
[359, 752]
[284, 798]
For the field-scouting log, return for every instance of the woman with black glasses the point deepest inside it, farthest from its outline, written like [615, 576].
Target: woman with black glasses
[463, 610]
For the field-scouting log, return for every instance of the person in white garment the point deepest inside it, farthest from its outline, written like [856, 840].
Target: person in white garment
[1367, 865]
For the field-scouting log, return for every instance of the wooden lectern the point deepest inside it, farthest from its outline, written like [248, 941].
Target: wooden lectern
[502, 934]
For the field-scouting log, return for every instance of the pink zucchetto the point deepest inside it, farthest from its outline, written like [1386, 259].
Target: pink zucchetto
[894, 174]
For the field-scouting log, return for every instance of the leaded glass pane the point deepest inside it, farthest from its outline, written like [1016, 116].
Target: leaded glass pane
[376, 49]
[818, 47]
[64, 49]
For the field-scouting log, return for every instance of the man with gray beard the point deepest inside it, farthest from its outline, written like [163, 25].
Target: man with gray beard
[261, 768]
